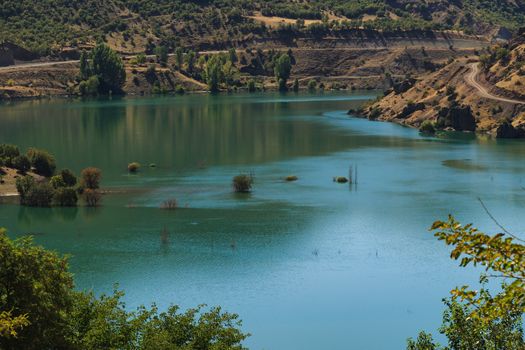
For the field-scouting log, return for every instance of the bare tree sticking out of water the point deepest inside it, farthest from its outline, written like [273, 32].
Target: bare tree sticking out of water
[169, 204]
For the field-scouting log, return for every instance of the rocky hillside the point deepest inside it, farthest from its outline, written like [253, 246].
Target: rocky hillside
[464, 95]
[131, 26]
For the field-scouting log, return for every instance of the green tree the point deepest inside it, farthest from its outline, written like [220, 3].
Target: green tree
[89, 87]
[40, 310]
[42, 162]
[233, 55]
[282, 70]
[251, 86]
[85, 68]
[10, 326]
[36, 283]
[214, 73]
[179, 57]
[501, 257]
[22, 163]
[109, 68]
[190, 61]
[481, 320]
[162, 55]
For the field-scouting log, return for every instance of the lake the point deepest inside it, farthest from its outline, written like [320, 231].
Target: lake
[310, 264]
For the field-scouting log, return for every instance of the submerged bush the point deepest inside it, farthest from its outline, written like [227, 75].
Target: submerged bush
[133, 167]
[427, 127]
[57, 182]
[341, 180]
[68, 177]
[242, 183]
[91, 178]
[65, 197]
[92, 197]
[36, 194]
[170, 204]
[312, 85]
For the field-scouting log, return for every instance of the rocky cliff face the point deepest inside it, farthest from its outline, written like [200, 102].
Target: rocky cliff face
[449, 99]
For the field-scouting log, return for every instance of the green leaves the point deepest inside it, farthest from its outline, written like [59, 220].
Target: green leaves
[40, 310]
[502, 258]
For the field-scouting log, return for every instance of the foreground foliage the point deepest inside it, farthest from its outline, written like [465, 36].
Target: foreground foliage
[481, 319]
[40, 310]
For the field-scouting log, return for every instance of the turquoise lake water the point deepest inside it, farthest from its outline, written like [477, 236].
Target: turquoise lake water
[307, 265]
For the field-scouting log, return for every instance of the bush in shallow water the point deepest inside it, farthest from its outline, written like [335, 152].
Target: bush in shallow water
[242, 183]
[37, 194]
[427, 127]
[170, 204]
[341, 180]
[291, 178]
[57, 182]
[312, 85]
[65, 197]
[91, 178]
[133, 167]
[92, 197]
[68, 177]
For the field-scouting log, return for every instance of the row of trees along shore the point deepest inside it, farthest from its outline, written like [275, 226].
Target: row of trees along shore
[40, 185]
[103, 72]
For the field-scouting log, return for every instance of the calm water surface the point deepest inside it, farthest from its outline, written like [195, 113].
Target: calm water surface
[307, 265]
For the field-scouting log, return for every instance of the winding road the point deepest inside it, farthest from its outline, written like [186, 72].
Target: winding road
[36, 65]
[470, 79]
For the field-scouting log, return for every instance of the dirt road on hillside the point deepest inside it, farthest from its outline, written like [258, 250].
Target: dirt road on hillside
[471, 79]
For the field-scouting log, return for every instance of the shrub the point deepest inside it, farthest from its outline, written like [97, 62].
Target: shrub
[242, 183]
[23, 186]
[341, 180]
[92, 197]
[68, 177]
[47, 312]
[40, 194]
[65, 197]
[91, 178]
[57, 182]
[312, 85]
[89, 87]
[22, 163]
[133, 167]
[141, 58]
[251, 86]
[427, 127]
[374, 113]
[179, 89]
[42, 162]
[9, 152]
